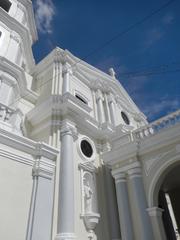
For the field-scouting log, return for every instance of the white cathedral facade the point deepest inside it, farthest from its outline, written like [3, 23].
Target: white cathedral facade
[78, 160]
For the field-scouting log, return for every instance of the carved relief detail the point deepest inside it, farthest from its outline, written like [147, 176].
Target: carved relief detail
[89, 206]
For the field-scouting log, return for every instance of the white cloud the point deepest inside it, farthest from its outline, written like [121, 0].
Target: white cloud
[168, 19]
[44, 13]
[153, 36]
[164, 105]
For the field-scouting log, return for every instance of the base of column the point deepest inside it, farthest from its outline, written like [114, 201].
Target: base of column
[65, 236]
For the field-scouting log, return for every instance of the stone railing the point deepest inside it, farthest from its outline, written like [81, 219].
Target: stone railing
[157, 126]
[5, 113]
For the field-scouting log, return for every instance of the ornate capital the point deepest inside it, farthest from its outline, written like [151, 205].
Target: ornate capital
[67, 128]
[134, 172]
[99, 95]
[119, 177]
[67, 69]
[111, 98]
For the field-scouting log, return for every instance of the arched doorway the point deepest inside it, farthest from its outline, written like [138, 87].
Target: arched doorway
[169, 201]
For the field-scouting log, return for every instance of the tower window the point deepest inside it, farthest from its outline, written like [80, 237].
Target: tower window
[5, 4]
[80, 98]
[125, 118]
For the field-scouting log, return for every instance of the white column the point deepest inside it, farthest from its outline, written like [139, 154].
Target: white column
[123, 206]
[155, 214]
[112, 207]
[67, 71]
[66, 184]
[141, 220]
[100, 99]
[112, 103]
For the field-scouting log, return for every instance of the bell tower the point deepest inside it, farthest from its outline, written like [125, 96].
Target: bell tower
[17, 34]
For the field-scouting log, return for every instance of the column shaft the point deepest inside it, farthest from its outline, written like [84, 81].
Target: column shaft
[66, 79]
[141, 220]
[155, 214]
[123, 207]
[112, 207]
[66, 188]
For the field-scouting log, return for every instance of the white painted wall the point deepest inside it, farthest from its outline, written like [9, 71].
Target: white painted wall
[15, 192]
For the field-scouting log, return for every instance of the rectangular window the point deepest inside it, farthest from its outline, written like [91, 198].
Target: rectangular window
[81, 99]
[5, 4]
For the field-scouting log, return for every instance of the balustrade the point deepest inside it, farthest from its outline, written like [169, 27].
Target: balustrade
[158, 125]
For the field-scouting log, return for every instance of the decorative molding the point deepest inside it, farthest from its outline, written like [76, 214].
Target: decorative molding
[155, 211]
[83, 157]
[111, 98]
[68, 128]
[15, 37]
[43, 168]
[149, 164]
[17, 158]
[65, 236]
[67, 69]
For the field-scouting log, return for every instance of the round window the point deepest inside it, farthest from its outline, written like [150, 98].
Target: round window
[86, 148]
[125, 118]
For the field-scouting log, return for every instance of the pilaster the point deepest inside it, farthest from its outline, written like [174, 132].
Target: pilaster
[67, 72]
[100, 99]
[112, 102]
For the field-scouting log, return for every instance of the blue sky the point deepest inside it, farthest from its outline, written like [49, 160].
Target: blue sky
[150, 51]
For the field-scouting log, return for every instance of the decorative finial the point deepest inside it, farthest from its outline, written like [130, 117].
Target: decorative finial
[112, 73]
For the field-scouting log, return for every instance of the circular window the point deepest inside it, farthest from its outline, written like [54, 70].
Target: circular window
[86, 148]
[125, 118]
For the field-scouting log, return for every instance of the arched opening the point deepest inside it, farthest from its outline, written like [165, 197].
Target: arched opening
[168, 200]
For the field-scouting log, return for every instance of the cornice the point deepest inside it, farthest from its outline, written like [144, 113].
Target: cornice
[21, 143]
[18, 73]
[122, 154]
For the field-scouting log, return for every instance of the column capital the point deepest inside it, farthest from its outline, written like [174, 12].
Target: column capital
[68, 128]
[67, 69]
[111, 98]
[119, 177]
[134, 172]
[65, 236]
[155, 211]
[99, 95]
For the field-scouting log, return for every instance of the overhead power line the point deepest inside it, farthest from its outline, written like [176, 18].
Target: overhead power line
[159, 69]
[128, 29]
